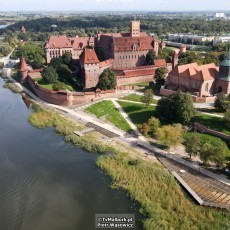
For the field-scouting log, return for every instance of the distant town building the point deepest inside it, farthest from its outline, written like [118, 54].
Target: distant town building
[220, 15]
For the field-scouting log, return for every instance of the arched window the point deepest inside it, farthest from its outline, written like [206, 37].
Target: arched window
[134, 47]
[220, 89]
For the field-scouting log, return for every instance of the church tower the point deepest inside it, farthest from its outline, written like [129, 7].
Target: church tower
[223, 77]
[135, 30]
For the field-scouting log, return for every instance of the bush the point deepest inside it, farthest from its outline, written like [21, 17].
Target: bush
[153, 124]
[59, 86]
[170, 135]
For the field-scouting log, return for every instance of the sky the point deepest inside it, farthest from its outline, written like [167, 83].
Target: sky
[113, 5]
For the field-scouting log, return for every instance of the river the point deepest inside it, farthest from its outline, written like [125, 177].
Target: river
[46, 184]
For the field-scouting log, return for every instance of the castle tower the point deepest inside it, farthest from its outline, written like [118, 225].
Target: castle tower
[175, 60]
[135, 30]
[23, 70]
[90, 68]
[23, 29]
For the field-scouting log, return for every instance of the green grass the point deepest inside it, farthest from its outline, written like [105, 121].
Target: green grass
[135, 97]
[45, 85]
[107, 110]
[162, 201]
[46, 118]
[208, 139]
[143, 84]
[138, 113]
[215, 123]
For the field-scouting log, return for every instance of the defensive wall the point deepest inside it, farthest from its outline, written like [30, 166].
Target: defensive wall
[67, 98]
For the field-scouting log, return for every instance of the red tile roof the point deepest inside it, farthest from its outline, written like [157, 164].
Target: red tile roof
[90, 57]
[193, 71]
[58, 42]
[23, 65]
[128, 43]
[105, 63]
[160, 62]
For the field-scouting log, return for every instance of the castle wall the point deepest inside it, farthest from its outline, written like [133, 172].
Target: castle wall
[123, 80]
[129, 59]
[68, 98]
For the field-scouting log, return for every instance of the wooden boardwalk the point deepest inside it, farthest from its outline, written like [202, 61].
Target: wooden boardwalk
[212, 192]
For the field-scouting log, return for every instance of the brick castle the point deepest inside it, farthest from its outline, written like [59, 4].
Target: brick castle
[124, 53]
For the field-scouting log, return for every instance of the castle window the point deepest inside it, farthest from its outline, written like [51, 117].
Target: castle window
[206, 87]
[134, 47]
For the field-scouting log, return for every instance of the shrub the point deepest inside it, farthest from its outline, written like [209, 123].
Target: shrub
[153, 124]
[59, 86]
[170, 135]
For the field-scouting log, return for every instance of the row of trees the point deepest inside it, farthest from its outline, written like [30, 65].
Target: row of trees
[215, 151]
[160, 25]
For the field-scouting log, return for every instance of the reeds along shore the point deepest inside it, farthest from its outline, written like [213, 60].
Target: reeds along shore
[163, 203]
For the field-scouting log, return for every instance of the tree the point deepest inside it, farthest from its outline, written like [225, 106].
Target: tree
[59, 86]
[220, 154]
[177, 108]
[227, 118]
[160, 75]
[107, 80]
[49, 74]
[207, 152]
[148, 97]
[64, 73]
[144, 129]
[32, 53]
[56, 62]
[192, 144]
[220, 101]
[150, 57]
[170, 135]
[67, 58]
[153, 124]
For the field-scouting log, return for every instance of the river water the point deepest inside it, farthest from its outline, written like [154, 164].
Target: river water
[46, 184]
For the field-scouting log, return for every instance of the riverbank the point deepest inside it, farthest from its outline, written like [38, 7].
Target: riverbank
[163, 203]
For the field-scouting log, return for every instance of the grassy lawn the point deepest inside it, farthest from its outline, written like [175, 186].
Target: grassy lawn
[139, 113]
[215, 123]
[135, 97]
[143, 84]
[43, 84]
[107, 110]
